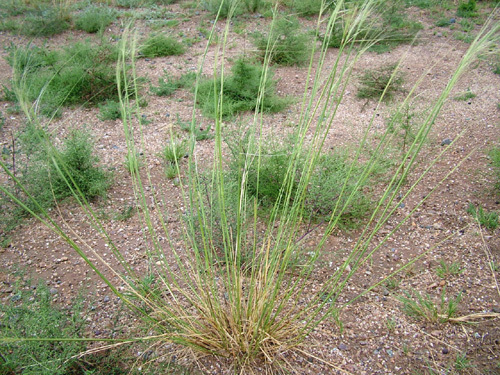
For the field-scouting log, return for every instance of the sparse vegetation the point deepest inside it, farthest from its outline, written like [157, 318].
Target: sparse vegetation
[161, 45]
[423, 306]
[110, 110]
[448, 269]
[168, 85]
[380, 84]
[484, 218]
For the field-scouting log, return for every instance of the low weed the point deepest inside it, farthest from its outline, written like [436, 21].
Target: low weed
[175, 150]
[423, 307]
[45, 21]
[168, 85]
[448, 269]
[199, 133]
[256, 6]
[30, 313]
[485, 219]
[494, 155]
[110, 110]
[289, 45]
[240, 92]
[94, 18]
[380, 84]
[309, 7]
[133, 162]
[158, 45]
[468, 95]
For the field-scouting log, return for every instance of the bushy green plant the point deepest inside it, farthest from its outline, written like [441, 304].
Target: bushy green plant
[50, 175]
[286, 43]
[30, 314]
[380, 84]
[78, 74]
[94, 18]
[110, 110]
[467, 9]
[486, 219]
[240, 92]
[161, 45]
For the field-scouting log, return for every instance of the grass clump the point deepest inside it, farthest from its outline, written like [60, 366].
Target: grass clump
[422, 307]
[288, 44]
[452, 269]
[83, 73]
[494, 155]
[175, 150]
[110, 110]
[168, 85]
[29, 314]
[161, 45]
[240, 92]
[484, 218]
[94, 19]
[380, 84]
[224, 8]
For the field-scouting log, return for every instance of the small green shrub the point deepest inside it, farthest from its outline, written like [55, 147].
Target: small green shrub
[83, 73]
[486, 219]
[381, 83]
[160, 45]
[467, 9]
[130, 3]
[308, 7]
[333, 184]
[240, 91]
[94, 19]
[256, 6]
[289, 44]
[443, 22]
[30, 313]
[51, 175]
[110, 110]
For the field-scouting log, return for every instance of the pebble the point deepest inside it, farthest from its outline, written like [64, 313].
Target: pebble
[446, 142]
[53, 291]
[342, 347]
[445, 351]
[106, 299]
[496, 309]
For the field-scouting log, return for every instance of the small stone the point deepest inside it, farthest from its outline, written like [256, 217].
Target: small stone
[496, 309]
[446, 142]
[342, 346]
[453, 20]
[390, 353]
[386, 292]
[402, 205]
[442, 283]
[106, 299]
[53, 291]
[445, 351]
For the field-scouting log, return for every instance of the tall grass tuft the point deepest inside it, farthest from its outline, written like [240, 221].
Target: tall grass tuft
[229, 292]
